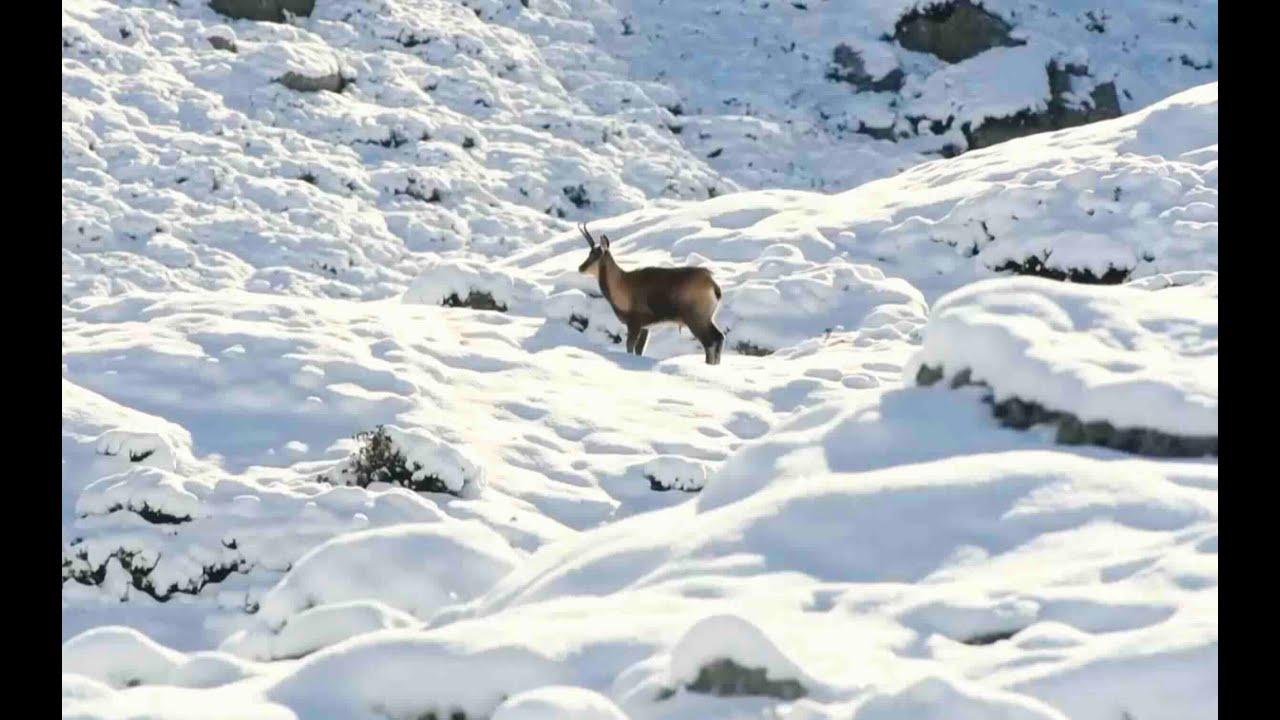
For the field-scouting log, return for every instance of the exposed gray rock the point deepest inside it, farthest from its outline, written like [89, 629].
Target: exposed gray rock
[847, 66]
[333, 82]
[269, 10]
[1103, 104]
[953, 31]
[1021, 414]
[726, 678]
[222, 43]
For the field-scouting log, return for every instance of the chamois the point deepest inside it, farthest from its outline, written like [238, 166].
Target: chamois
[649, 296]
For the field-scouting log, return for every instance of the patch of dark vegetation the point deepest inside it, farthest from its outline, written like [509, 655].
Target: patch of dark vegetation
[1019, 414]
[140, 574]
[715, 153]
[990, 638]
[1058, 114]
[660, 486]
[379, 460]
[847, 66]
[1188, 62]
[468, 143]
[394, 139]
[325, 267]
[1097, 22]
[453, 714]
[309, 178]
[884, 133]
[268, 10]
[580, 323]
[742, 347]
[726, 678]
[1034, 266]
[577, 195]
[415, 191]
[953, 31]
[476, 300]
[151, 515]
[412, 41]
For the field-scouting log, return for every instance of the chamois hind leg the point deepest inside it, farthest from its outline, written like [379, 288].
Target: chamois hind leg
[632, 335]
[642, 339]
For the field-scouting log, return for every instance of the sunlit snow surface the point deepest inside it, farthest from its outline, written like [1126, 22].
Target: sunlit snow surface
[252, 275]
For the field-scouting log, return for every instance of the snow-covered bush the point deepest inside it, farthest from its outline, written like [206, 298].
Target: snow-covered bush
[408, 458]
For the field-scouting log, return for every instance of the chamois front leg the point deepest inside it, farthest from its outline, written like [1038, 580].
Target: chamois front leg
[642, 339]
[633, 335]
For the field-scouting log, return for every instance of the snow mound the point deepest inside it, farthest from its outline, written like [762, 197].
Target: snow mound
[148, 533]
[156, 495]
[465, 284]
[119, 657]
[863, 527]
[1124, 356]
[261, 221]
[936, 698]
[316, 628]
[556, 702]
[729, 637]
[417, 568]
[674, 473]
[210, 670]
[396, 675]
[1076, 204]
[413, 458]
[76, 688]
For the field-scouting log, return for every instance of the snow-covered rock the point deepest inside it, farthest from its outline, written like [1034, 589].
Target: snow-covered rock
[1129, 357]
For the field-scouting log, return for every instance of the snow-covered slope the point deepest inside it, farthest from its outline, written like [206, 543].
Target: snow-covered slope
[296, 486]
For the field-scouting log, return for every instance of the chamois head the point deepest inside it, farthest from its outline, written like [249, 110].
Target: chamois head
[591, 266]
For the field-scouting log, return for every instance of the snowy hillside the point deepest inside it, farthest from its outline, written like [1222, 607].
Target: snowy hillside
[346, 434]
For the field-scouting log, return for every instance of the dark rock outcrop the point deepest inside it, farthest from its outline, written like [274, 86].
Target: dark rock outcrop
[268, 10]
[847, 66]
[726, 678]
[333, 82]
[1022, 414]
[1058, 114]
[953, 31]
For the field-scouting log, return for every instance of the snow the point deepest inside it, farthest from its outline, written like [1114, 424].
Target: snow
[253, 281]
[316, 628]
[429, 457]
[937, 698]
[419, 568]
[727, 636]
[552, 702]
[1126, 356]
[119, 657]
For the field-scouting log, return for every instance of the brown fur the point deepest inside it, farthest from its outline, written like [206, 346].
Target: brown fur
[685, 296]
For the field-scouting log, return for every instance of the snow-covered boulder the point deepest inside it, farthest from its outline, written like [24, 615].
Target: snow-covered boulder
[1123, 367]
[417, 568]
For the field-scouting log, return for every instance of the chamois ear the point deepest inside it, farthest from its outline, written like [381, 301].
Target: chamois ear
[604, 243]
